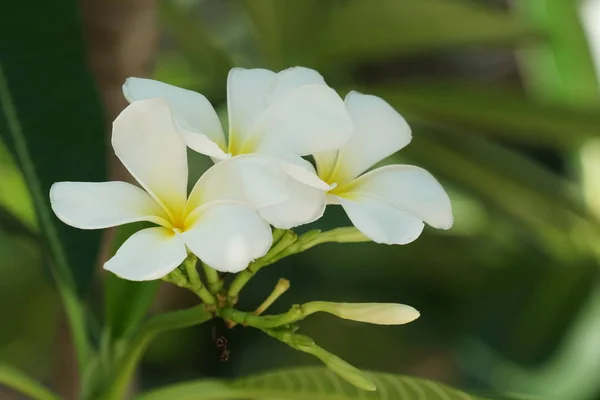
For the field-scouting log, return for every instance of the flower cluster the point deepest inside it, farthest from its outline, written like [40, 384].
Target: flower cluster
[260, 176]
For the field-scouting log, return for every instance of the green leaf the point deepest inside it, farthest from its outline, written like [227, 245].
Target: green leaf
[134, 349]
[385, 28]
[560, 70]
[17, 380]
[210, 62]
[51, 119]
[515, 187]
[14, 196]
[308, 384]
[506, 114]
[127, 302]
[288, 31]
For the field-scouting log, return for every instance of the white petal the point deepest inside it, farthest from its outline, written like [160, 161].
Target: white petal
[87, 205]
[305, 204]
[257, 179]
[325, 161]
[147, 142]
[228, 236]
[410, 189]
[379, 131]
[246, 102]
[380, 221]
[147, 255]
[198, 122]
[303, 171]
[290, 79]
[306, 120]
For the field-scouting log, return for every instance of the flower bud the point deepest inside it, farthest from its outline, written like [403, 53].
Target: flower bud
[373, 313]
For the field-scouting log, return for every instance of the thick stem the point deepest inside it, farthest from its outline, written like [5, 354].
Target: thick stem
[191, 280]
[215, 283]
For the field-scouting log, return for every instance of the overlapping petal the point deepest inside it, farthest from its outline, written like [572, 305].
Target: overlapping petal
[380, 221]
[290, 79]
[303, 121]
[305, 204]
[146, 141]
[246, 102]
[256, 179]
[302, 171]
[293, 111]
[228, 235]
[87, 205]
[379, 131]
[410, 189]
[147, 255]
[197, 120]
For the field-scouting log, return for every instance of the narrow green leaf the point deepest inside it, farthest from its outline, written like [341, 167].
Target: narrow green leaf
[51, 119]
[210, 62]
[308, 384]
[561, 228]
[16, 379]
[361, 29]
[559, 70]
[58, 265]
[506, 114]
[134, 349]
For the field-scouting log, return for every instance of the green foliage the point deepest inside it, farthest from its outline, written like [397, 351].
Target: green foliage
[17, 380]
[507, 114]
[308, 384]
[474, 136]
[126, 302]
[397, 27]
[132, 350]
[51, 119]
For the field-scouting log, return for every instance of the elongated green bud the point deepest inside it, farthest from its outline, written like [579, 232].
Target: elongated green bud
[373, 313]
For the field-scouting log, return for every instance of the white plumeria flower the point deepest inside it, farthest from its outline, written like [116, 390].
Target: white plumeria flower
[226, 234]
[388, 204]
[285, 115]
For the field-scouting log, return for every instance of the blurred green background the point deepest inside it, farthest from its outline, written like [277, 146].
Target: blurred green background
[504, 102]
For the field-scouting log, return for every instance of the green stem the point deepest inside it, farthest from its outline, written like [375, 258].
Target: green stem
[305, 344]
[58, 266]
[290, 244]
[215, 283]
[15, 379]
[280, 288]
[191, 280]
[296, 313]
[241, 279]
[156, 325]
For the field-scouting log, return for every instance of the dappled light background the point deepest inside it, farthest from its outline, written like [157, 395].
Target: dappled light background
[504, 102]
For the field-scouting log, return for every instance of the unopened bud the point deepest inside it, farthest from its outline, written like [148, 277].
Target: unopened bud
[373, 313]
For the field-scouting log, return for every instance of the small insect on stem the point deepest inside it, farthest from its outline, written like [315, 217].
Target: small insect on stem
[221, 343]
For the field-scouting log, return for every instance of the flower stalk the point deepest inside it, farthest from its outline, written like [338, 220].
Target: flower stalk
[214, 282]
[307, 345]
[281, 287]
[186, 276]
